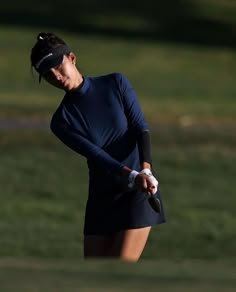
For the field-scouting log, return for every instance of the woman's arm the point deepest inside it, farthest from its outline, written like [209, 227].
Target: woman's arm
[136, 120]
[89, 150]
[138, 124]
[83, 146]
[144, 147]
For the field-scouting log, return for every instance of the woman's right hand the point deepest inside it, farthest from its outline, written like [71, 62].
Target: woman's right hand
[144, 183]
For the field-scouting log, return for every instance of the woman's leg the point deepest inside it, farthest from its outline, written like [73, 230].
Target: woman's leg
[97, 245]
[129, 244]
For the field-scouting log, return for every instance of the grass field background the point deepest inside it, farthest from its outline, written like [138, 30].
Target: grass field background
[188, 96]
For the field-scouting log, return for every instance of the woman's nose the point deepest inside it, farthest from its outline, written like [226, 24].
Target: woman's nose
[56, 73]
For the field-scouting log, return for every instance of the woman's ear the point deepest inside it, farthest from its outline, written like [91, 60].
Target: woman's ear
[72, 57]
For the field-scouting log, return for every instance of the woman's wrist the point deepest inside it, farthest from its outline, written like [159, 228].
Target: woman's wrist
[130, 174]
[125, 171]
[132, 177]
[145, 165]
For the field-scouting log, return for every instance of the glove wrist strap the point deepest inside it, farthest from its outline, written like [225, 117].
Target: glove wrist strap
[132, 177]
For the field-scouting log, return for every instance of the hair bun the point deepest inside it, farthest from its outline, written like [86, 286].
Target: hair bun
[42, 36]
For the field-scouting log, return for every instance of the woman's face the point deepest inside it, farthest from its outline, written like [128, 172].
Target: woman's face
[64, 76]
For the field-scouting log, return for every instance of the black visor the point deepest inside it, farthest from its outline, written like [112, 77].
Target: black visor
[50, 59]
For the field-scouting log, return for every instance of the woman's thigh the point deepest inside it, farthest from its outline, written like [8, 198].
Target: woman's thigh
[129, 244]
[97, 245]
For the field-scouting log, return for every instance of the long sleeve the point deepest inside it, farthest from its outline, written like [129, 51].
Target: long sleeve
[101, 121]
[135, 118]
[131, 104]
[84, 147]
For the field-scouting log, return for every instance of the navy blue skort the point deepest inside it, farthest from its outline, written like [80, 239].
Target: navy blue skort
[108, 213]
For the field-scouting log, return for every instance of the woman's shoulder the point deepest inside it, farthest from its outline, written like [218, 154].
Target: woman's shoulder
[109, 76]
[116, 79]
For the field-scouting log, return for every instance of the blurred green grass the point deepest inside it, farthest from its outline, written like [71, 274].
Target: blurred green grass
[188, 96]
[63, 275]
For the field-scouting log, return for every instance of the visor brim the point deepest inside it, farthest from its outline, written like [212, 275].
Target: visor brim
[50, 63]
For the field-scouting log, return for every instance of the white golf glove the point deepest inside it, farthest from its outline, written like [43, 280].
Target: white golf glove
[153, 180]
[132, 177]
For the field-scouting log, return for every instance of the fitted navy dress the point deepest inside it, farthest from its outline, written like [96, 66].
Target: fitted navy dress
[101, 121]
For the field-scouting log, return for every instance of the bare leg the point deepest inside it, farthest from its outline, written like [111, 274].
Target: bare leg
[96, 245]
[128, 245]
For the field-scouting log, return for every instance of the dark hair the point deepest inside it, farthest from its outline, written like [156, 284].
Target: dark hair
[47, 52]
[45, 42]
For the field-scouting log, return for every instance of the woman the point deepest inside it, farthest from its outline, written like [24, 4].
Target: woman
[101, 119]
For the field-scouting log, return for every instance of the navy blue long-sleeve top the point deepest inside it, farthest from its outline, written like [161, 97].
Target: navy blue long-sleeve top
[101, 121]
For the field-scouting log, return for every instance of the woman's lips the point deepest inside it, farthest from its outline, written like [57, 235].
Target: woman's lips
[62, 82]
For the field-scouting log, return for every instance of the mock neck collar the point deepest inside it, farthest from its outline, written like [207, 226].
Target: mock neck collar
[81, 90]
